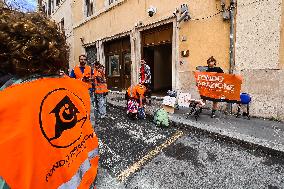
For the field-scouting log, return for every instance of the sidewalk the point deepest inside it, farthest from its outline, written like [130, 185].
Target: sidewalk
[263, 133]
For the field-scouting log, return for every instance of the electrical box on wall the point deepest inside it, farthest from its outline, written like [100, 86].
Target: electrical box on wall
[226, 15]
[185, 53]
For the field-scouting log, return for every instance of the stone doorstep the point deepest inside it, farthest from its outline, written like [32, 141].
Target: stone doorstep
[250, 142]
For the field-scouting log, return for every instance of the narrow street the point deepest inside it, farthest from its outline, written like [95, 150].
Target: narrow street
[136, 154]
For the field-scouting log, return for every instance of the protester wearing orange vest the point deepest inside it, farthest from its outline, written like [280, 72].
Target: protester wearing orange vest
[46, 134]
[84, 73]
[101, 90]
[137, 92]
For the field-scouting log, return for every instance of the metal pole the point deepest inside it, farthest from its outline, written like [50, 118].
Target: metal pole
[232, 42]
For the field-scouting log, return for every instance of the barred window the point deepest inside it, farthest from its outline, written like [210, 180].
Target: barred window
[89, 7]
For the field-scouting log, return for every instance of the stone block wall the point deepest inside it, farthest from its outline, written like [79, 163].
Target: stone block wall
[257, 56]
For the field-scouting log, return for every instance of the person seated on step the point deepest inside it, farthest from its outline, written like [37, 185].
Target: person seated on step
[211, 62]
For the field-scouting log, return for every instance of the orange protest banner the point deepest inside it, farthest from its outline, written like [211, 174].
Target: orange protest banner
[219, 86]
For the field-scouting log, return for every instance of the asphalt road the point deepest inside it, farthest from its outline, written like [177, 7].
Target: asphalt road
[138, 155]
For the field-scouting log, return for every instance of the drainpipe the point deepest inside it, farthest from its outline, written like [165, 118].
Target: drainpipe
[232, 36]
[232, 43]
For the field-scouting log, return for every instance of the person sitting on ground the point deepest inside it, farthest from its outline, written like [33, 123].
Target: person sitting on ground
[211, 62]
[47, 138]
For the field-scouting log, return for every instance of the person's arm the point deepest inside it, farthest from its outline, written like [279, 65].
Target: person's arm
[140, 99]
[220, 70]
[148, 73]
[72, 74]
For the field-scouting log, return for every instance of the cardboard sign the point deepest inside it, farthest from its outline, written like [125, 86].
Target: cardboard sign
[184, 99]
[169, 101]
[219, 86]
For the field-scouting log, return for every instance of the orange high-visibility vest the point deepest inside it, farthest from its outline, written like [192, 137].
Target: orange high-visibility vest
[47, 140]
[136, 91]
[100, 87]
[87, 73]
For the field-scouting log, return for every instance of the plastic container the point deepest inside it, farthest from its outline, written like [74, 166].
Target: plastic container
[245, 98]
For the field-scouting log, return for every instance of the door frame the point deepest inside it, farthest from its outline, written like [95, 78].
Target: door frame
[175, 47]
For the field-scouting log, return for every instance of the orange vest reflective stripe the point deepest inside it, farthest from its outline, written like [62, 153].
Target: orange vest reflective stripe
[87, 73]
[100, 88]
[47, 140]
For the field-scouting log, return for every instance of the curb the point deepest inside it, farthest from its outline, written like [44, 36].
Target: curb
[249, 142]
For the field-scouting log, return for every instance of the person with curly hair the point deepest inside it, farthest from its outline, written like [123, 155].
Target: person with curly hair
[46, 134]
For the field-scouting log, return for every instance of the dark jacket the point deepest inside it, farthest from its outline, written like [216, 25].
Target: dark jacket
[215, 69]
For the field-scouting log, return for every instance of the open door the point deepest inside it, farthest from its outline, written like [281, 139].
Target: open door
[157, 52]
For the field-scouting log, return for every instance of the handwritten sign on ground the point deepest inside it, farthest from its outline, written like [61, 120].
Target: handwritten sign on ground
[219, 86]
[184, 99]
[169, 101]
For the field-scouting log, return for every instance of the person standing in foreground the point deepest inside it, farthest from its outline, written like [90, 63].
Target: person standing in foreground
[211, 62]
[100, 90]
[46, 134]
[145, 78]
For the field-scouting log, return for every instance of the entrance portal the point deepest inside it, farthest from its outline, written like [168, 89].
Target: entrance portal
[159, 58]
[157, 52]
[118, 64]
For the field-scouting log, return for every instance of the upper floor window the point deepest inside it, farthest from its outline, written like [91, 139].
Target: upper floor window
[62, 24]
[43, 9]
[52, 6]
[49, 7]
[57, 2]
[111, 1]
[89, 7]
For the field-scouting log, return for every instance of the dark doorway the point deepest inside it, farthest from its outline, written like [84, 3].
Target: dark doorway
[157, 52]
[118, 63]
[159, 58]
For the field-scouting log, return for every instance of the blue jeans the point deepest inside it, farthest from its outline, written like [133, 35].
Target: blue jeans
[100, 105]
[92, 113]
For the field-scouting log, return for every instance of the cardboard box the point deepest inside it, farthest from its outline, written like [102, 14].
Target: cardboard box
[169, 109]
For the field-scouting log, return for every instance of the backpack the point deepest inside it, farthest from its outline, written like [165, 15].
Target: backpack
[141, 113]
[161, 118]
[132, 106]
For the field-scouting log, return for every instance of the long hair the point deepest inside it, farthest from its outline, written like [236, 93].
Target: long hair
[31, 44]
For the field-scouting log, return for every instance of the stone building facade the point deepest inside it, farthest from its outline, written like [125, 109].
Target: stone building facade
[119, 33]
[259, 55]
[61, 12]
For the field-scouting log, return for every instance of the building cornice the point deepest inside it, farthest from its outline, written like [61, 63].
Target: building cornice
[147, 26]
[109, 38]
[99, 13]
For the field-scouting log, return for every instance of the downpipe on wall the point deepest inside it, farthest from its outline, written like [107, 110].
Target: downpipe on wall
[232, 44]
